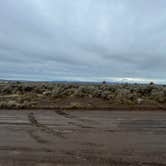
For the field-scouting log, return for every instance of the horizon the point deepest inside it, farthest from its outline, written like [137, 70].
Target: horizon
[108, 81]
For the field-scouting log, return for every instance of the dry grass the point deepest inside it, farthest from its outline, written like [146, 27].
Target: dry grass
[33, 95]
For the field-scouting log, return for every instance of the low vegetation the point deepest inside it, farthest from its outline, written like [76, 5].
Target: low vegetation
[41, 95]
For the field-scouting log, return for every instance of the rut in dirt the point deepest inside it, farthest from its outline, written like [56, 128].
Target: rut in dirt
[43, 127]
[79, 120]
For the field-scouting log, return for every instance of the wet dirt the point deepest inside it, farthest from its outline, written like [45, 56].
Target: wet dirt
[48, 138]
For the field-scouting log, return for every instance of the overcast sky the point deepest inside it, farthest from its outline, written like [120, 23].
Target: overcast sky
[86, 40]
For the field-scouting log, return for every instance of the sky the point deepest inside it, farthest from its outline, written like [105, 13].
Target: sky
[83, 40]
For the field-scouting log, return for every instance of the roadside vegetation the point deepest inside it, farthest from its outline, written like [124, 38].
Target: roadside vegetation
[42, 95]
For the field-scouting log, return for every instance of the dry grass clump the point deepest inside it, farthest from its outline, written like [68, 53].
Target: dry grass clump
[36, 94]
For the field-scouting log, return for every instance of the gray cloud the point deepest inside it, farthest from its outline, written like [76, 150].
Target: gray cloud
[83, 39]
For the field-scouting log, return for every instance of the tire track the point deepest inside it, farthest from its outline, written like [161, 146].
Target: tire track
[37, 137]
[43, 127]
[78, 124]
[64, 114]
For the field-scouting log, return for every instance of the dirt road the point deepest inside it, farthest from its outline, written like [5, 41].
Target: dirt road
[48, 138]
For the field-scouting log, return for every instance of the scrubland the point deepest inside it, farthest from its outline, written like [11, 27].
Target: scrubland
[48, 95]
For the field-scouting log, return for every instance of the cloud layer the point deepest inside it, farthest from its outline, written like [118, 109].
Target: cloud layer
[83, 40]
